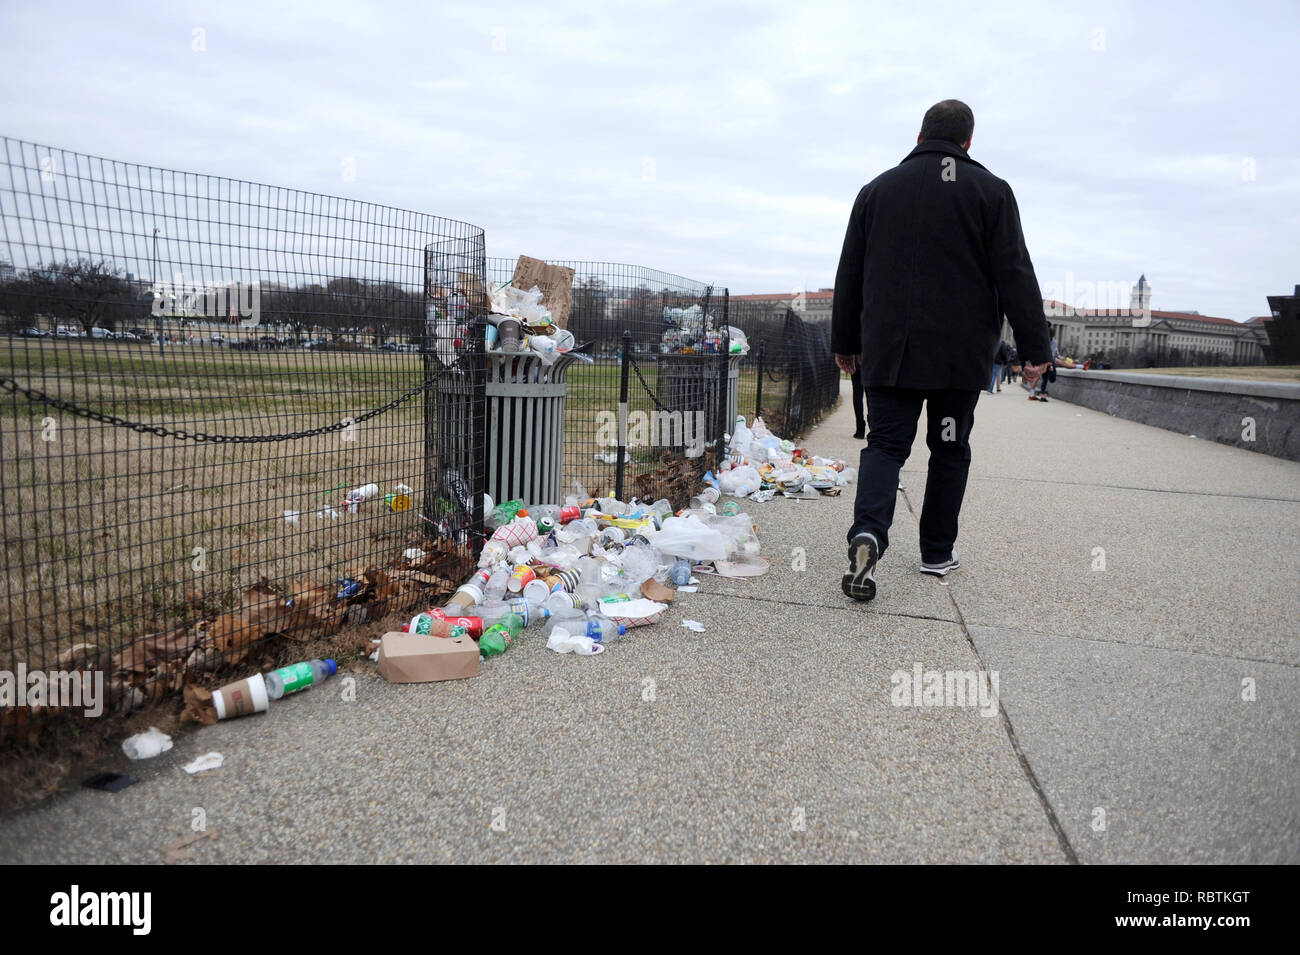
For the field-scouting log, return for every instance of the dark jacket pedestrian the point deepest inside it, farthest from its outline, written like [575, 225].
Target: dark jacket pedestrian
[933, 257]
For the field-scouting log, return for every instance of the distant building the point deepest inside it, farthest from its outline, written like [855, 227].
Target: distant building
[810, 306]
[1171, 337]
[1140, 335]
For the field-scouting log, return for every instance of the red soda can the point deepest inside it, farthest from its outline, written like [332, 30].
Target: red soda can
[570, 513]
[473, 625]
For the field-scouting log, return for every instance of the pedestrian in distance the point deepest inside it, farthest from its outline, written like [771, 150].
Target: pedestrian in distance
[999, 362]
[933, 257]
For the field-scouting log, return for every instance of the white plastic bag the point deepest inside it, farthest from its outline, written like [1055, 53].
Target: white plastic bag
[689, 537]
[739, 343]
[740, 482]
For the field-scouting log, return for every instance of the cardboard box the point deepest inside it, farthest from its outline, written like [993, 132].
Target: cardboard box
[554, 281]
[416, 658]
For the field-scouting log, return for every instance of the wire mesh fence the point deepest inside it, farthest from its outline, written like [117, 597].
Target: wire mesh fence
[236, 415]
[652, 346]
[220, 421]
[789, 376]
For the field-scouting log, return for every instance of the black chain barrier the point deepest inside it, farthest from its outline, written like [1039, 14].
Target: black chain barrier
[659, 405]
[33, 394]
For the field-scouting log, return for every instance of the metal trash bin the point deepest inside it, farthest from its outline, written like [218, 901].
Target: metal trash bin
[689, 384]
[524, 424]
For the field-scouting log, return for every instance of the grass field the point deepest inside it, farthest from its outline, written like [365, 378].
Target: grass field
[110, 533]
[1245, 372]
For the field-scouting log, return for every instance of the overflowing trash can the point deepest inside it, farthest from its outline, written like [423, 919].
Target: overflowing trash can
[524, 423]
[689, 384]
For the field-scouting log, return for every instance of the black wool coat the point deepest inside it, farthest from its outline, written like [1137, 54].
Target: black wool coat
[933, 258]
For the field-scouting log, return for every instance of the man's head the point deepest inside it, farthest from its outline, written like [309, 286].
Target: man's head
[952, 121]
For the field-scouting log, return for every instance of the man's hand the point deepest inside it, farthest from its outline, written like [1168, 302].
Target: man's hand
[1031, 373]
[848, 363]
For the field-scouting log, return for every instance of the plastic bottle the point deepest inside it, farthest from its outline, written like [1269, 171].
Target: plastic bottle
[492, 611]
[681, 572]
[571, 619]
[603, 630]
[297, 677]
[527, 611]
[496, 585]
[498, 637]
[505, 512]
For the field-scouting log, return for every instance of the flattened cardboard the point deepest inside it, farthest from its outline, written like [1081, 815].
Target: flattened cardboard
[555, 282]
[651, 589]
[415, 658]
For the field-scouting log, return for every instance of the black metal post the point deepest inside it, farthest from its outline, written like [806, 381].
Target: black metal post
[622, 414]
[789, 381]
[724, 360]
[758, 397]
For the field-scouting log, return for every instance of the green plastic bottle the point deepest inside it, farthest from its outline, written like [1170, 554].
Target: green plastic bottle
[500, 635]
[506, 511]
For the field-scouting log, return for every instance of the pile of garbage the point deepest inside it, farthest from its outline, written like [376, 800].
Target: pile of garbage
[586, 571]
[520, 323]
[589, 571]
[760, 465]
[691, 331]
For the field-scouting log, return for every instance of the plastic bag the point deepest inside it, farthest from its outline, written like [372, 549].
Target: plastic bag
[740, 482]
[639, 564]
[739, 343]
[738, 530]
[741, 438]
[690, 537]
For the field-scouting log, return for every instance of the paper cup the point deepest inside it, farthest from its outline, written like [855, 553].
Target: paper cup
[241, 698]
[520, 579]
[508, 329]
[535, 591]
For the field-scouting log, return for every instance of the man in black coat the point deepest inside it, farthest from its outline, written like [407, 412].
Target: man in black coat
[933, 258]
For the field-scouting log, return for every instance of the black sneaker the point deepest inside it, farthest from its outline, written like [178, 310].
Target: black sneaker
[941, 569]
[860, 582]
[860, 433]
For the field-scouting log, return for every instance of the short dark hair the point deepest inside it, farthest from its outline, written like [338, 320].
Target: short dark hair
[951, 121]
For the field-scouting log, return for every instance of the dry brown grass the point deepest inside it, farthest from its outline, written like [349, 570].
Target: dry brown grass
[101, 524]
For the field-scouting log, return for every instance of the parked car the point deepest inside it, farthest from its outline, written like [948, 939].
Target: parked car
[33, 332]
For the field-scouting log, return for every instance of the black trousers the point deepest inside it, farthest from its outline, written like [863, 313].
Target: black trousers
[856, 379]
[950, 415]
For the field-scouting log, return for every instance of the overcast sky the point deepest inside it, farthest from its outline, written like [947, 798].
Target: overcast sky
[720, 141]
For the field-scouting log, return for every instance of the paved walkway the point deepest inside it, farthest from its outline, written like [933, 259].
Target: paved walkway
[1122, 736]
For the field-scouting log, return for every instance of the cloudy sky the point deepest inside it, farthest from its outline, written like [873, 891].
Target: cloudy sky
[720, 141]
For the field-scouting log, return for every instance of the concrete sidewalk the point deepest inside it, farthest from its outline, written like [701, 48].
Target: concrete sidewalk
[1122, 736]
